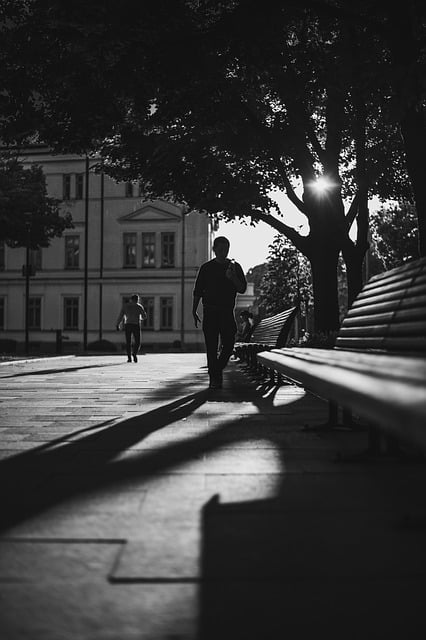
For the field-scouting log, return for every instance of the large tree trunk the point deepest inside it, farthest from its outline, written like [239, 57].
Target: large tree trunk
[324, 279]
[413, 132]
[354, 259]
[406, 50]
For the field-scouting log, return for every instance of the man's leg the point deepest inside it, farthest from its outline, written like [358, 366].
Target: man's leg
[211, 337]
[128, 334]
[136, 341]
[228, 329]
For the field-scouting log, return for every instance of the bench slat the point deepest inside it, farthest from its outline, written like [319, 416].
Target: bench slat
[398, 328]
[386, 306]
[376, 364]
[389, 296]
[388, 285]
[412, 267]
[403, 315]
[414, 346]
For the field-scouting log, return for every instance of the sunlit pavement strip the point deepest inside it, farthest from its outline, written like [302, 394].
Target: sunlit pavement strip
[133, 499]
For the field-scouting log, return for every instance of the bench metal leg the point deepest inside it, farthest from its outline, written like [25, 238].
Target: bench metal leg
[347, 418]
[333, 421]
[381, 447]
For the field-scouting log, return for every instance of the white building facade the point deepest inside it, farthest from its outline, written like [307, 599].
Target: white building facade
[152, 248]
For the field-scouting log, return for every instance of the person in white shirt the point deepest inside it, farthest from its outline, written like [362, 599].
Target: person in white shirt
[131, 314]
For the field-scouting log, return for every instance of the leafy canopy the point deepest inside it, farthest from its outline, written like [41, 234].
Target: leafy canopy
[27, 213]
[212, 103]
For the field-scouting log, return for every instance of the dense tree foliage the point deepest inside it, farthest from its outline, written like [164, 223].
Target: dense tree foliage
[394, 236]
[27, 213]
[255, 275]
[286, 280]
[216, 104]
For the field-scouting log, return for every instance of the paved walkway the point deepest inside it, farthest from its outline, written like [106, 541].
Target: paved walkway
[138, 505]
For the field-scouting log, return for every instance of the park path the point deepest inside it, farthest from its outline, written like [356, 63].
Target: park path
[136, 504]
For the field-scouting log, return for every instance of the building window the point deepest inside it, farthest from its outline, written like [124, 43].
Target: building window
[34, 313]
[148, 249]
[2, 313]
[72, 252]
[148, 305]
[66, 187]
[35, 259]
[129, 189]
[167, 249]
[166, 314]
[71, 313]
[79, 186]
[129, 250]
[140, 190]
[2, 255]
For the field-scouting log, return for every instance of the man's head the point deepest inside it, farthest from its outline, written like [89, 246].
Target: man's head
[221, 247]
[134, 298]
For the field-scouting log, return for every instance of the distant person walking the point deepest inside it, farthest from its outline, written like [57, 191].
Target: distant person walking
[218, 281]
[131, 314]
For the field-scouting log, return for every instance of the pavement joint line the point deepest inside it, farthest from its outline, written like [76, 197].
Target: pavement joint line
[28, 360]
[163, 580]
[57, 540]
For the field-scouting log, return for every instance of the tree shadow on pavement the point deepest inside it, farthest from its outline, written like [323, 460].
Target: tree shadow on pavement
[315, 555]
[29, 481]
[53, 472]
[326, 555]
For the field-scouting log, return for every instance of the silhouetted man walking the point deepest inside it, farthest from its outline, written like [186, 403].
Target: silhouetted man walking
[218, 281]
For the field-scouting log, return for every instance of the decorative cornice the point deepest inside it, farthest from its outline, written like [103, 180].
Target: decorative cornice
[149, 213]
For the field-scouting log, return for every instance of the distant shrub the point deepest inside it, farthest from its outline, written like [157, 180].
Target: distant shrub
[322, 340]
[102, 345]
[8, 346]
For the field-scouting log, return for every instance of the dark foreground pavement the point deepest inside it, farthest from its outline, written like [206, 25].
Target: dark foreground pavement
[135, 504]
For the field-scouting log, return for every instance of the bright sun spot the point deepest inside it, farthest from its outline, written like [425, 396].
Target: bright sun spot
[321, 184]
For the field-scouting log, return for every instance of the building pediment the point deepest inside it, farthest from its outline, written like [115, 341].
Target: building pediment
[149, 213]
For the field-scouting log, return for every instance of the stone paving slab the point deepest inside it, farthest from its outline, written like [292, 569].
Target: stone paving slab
[138, 504]
[97, 610]
[26, 561]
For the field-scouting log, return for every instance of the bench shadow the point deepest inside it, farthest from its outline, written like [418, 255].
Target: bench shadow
[328, 554]
[292, 564]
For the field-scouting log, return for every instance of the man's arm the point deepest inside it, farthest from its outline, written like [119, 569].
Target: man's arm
[119, 319]
[143, 313]
[195, 302]
[197, 295]
[237, 277]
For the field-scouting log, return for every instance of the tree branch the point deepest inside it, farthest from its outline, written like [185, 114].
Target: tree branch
[353, 210]
[300, 242]
[259, 126]
[291, 194]
[314, 141]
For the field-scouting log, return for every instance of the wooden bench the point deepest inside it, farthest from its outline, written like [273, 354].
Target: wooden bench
[270, 333]
[377, 368]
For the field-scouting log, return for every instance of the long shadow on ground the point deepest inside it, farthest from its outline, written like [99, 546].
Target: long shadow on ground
[327, 554]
